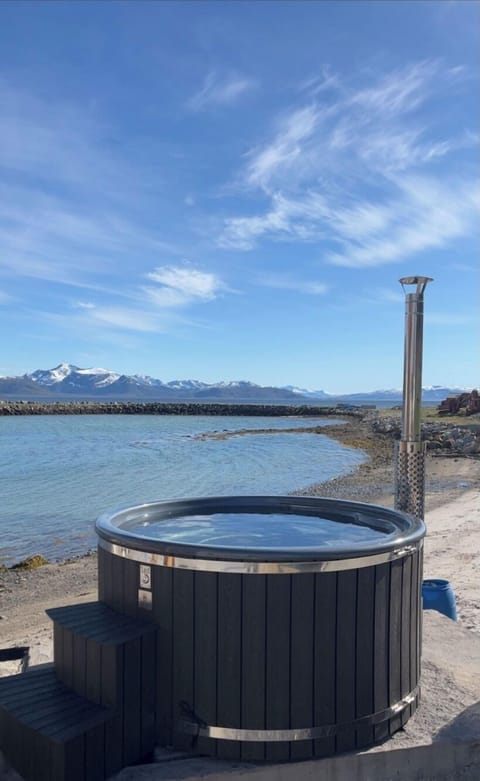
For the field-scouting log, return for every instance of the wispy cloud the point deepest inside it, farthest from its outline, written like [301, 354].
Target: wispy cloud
[178, 286]
[287, 281]
[282, 152]
[157, 307]
[220, 90]
[360, 174]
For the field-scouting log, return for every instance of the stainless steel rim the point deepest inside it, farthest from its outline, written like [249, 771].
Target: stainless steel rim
[199, 729]
[257, 567]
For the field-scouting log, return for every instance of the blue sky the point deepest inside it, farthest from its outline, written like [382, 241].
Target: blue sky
[231, 190]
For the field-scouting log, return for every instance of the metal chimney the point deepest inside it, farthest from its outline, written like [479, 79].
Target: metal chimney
[410, 450]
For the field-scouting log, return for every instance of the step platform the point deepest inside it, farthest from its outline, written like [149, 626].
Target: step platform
[93, 711]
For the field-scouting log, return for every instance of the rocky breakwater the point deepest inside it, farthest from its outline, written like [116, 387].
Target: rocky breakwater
[167, 408]
[442, 439]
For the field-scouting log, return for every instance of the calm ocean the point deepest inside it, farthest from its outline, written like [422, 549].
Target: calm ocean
[58, 473]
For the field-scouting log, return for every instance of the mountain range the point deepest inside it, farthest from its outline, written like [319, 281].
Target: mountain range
[69, 381]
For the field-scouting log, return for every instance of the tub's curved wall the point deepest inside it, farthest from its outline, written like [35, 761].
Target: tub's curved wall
[329, 659]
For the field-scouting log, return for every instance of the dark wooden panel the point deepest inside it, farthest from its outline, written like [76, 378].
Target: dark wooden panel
[325, 658]
[381, 649]
[302, 653]
[58, 646]
[131, 576]
[182, 679]
[117, 590]
[132, 688]
[148, 693]
[419, 614]
[395, 642]
[95, 753]
[205, 672]
[253, 661]
[111, 684]
[68, 760]
[162, 613]
[364, 664]
[93, 672]
[405, 683]
[414, 626]
[346, 656]
[66, 674]
[105, 564]
[79, 671]
[277, 715]
[101, 573]
[229, 660]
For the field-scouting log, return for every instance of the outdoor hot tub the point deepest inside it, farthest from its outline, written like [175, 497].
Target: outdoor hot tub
[288, 627]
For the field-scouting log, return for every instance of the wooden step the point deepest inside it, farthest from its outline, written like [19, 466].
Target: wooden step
[49, 733]
[109, 659]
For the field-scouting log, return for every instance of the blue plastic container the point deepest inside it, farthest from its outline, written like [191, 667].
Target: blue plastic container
[439, 595]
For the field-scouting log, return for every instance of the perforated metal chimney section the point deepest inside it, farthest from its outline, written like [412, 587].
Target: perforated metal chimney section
[410, 450]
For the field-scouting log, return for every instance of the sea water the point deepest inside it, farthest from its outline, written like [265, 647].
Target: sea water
[58, 473]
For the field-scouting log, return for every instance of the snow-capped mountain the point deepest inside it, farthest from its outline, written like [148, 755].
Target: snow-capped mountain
[68, 380]
[309, 394]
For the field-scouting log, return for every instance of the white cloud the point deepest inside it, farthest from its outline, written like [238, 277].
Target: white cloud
[220, 90]
[398, 92]
[290, 282]
[83, 305]
[180, 286]
[429, 216]
[282, 152]
[365, 172]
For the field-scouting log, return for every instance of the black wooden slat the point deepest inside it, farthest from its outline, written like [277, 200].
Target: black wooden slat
[183, 686]
[419, 614]
[162, 584]
[111, 686]
[117, 592]
[79, 671]
[253, 662]
[132, 688]
[364, 662]
[325, 658]
[346, 656]
[131, 575]
[205, 700]
[148, 693]
[66, 673]
[278, 662]
[405, 683]
[381, 647]
[68, 760]
[93, 672]
[95, 753]
[101, 573]
[413, 627]
[229, 659]
[302, 651]
[395, 643]
[105, 565]
[58, 645]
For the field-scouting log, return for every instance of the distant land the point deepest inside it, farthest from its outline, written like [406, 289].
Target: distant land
[67, 381]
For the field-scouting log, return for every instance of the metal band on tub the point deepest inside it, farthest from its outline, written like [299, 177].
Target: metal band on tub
[257, 567]
[199, 729]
